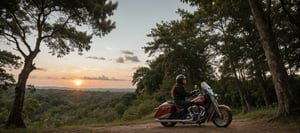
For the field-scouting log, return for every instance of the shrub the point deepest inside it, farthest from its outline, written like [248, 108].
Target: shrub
[130, 114]
[146, 107]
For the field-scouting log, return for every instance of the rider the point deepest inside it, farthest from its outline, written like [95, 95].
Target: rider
[178, 92]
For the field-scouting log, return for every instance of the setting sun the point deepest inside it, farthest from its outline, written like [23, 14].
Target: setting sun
[78, 82]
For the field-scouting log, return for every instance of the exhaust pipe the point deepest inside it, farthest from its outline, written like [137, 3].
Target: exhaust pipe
[176, 120]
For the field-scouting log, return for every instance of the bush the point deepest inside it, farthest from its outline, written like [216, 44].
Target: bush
[120, 108]
[146, 107]
[130, 114]
[109, 115]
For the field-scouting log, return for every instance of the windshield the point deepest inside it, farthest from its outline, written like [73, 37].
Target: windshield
[206, 87]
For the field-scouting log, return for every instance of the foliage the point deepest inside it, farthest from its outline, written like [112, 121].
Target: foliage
[55, 108]
[7, 61]
[60, 33]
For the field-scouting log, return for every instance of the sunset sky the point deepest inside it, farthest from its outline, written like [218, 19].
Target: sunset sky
[112, 59]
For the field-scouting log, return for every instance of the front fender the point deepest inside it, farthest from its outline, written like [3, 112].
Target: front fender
[224, 107]
[221, 107]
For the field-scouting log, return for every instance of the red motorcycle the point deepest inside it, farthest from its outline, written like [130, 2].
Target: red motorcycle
[205, 108]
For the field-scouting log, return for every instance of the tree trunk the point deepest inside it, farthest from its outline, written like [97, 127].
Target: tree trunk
[261, 81]
[243, 99]
[263, 86]
[279, 74]
[244, 102]
[15, 117]
[245, 90]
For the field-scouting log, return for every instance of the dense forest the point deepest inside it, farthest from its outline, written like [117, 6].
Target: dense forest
[248, 51]
[55, 108]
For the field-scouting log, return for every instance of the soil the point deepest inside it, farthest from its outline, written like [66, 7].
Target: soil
[237, 126]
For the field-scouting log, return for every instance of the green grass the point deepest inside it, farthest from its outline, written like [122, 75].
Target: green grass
[268, 117]
[21, 130]
[145, 119]
[73, 128]
[265, 113]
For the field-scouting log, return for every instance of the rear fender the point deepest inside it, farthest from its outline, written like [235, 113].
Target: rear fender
[165, 110]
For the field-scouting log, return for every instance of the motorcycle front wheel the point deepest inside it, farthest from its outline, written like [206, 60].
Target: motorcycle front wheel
[168, 124]
[225, 120]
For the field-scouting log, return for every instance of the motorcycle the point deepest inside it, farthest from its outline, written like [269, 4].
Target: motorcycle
[205, 108]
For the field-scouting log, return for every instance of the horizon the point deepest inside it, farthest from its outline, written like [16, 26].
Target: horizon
[75, 88]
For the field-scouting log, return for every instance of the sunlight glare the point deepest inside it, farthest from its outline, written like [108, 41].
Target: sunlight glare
[78, 82]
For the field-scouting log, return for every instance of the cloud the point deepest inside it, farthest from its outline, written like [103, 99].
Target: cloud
[96, 78]
[127, 52]
[132, 58]
[129, 56]
[41, 69]
[96, 58]
[120, 60]
[103, 77]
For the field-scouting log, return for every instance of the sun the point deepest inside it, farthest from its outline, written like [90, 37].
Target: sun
[78, 82]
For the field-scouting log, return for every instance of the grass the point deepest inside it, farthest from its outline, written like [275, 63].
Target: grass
[20, 130]
[75, 128]
[145, 119]
[266, 113]
[268, 116]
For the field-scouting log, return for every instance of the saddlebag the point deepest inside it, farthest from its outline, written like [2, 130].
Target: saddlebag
[165, 110]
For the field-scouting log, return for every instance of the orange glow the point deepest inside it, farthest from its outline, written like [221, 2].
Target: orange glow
[83, 83]
[78, 82]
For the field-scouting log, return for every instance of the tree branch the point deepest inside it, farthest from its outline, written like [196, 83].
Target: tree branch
[23, 36]
[9, 40]
[40, 22]
[16, 42]
[52, 33]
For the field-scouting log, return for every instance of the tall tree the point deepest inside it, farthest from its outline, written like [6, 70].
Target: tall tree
[51, 23]
[280, 77]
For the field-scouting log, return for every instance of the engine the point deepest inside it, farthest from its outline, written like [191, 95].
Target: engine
[196, 110]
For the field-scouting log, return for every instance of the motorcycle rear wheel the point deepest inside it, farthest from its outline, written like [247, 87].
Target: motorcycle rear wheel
[225, 120]
[168, 124]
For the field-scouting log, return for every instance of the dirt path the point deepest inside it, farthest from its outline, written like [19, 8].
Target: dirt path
[237, 126]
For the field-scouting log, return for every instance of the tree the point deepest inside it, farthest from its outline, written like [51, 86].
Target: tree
[138, 78]
[149, 80]
[182, 48]
[280, 77]
[51, 23]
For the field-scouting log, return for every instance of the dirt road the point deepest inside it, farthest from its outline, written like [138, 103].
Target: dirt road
[237, 126]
